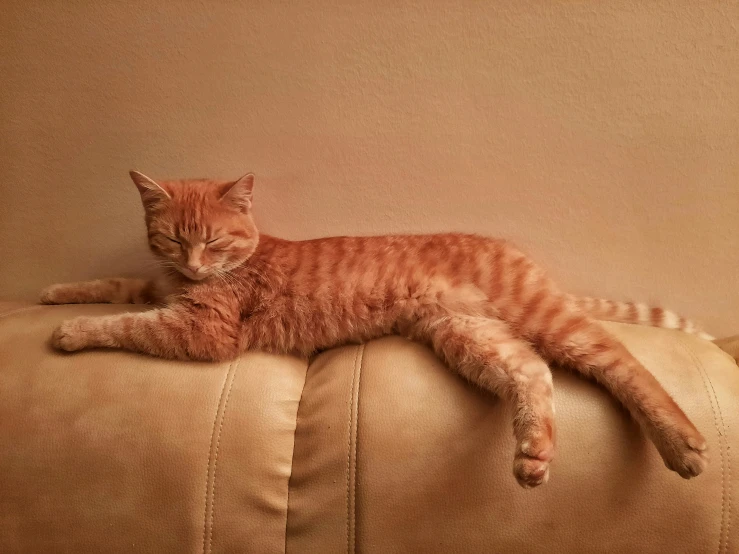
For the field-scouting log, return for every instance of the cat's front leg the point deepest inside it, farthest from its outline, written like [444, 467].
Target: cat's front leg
[175, 332]
[111, 291]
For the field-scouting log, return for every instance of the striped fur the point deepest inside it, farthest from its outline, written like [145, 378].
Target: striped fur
[636, 313]
[485, 308]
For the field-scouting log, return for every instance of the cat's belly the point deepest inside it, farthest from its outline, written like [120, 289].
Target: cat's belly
[308, 329]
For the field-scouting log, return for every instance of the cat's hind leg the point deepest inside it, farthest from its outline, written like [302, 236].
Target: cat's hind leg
[577, 341]
[99, 291]
[485, 352]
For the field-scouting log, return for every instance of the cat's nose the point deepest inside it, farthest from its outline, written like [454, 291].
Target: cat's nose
[195, 268]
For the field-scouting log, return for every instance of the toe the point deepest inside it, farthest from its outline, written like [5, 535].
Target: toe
[686, 453]
[530, 472]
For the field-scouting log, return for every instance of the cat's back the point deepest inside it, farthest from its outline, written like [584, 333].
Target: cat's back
[364, 263]
[380, 247]
[413, 244]
[337, 289]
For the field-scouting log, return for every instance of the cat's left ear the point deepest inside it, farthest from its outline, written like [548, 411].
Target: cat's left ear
[239, 193]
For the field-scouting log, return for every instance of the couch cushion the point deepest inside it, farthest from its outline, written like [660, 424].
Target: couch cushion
[394, 453]
[108, 451]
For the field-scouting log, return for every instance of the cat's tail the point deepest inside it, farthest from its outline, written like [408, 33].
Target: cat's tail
[636, 313]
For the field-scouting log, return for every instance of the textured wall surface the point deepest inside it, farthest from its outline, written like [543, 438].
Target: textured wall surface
[603, 138]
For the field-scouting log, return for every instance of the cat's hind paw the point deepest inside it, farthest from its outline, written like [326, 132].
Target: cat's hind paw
[531, 465]
[686, 454]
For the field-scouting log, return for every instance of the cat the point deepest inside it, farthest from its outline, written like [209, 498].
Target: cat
[484, 308]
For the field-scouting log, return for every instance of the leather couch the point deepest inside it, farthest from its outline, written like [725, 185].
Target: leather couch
[373, 448]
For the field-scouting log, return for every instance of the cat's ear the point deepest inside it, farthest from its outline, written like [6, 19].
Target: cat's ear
[238, 194]
[152, 194]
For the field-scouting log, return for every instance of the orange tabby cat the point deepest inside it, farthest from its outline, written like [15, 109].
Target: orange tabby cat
[485, 308]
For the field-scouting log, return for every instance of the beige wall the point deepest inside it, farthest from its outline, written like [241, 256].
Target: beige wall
[603, 137]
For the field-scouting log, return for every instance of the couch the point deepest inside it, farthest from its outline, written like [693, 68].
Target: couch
[375, 448]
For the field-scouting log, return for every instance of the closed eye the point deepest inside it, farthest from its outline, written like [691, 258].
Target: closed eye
[214, 240]
[172, 240]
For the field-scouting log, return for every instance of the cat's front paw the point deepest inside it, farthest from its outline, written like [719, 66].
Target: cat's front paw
[55, 294]
[72, 335]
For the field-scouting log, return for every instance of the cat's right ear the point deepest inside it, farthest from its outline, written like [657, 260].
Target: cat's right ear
[152, 194]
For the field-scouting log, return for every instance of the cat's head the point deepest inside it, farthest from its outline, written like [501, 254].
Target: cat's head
[199, 227]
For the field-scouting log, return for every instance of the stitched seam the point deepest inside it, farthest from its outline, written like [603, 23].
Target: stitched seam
[356, 438]
[349, 450]
[725, 450]
[725, 497]
[19, 310]
[350, 442]
[210, 455]
[728, 481]
[232, 378]
[215, 459]
[292, 463]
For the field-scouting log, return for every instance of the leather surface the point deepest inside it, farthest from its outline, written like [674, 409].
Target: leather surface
[114, 452]
[730, 345]
[432, 469]
[374, 448]
[321, 500]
